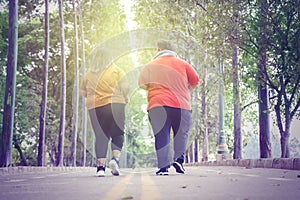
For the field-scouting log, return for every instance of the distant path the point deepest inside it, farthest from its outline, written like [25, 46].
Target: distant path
[203, 182]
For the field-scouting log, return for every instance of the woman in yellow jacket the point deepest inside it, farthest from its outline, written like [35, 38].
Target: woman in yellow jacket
[105, 89]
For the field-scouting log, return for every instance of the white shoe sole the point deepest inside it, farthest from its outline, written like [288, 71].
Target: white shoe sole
[162, 174]
[114, 168]
[100, 174]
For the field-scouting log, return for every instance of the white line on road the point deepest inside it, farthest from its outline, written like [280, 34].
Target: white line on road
[280, 179]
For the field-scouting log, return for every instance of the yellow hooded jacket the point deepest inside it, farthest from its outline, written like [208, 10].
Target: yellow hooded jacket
[102, 88]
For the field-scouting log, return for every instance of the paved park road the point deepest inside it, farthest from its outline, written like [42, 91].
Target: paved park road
[203, 182]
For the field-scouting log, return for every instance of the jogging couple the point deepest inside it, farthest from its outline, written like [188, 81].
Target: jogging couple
[168, 80]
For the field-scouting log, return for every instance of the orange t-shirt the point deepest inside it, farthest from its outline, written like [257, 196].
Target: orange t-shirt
[168, 80]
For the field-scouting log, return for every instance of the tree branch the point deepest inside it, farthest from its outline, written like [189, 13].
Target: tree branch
[253, 102]
[278, 116]
[201, 6]
[269, 82]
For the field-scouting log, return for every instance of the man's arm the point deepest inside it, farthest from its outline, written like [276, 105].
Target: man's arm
[193, 77]
[143, 79]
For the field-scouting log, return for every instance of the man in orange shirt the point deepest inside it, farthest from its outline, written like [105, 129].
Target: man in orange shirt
[105, 90]
[169, 81]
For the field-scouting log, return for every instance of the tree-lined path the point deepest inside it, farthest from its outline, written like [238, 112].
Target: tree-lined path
[209, 183]
[246, 110]
[246, 54]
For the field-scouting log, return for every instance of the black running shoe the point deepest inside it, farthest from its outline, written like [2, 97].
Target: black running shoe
[163, 171]
[178, 167]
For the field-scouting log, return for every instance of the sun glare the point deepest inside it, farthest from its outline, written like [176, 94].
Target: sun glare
[130, 25]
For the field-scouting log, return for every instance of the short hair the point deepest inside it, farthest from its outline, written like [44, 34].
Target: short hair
[165, 45]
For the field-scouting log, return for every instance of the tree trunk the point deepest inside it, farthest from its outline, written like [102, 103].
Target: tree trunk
[84, 110]
[264, 122]
[284, 142]
[196, 150]
[191, 152]
[10, 88]
[187, 158]
[204, 117]
[76, 91]
[22, 156]
[52, 154]
[61, 136]
[284, 132]
[41, 158]
[237, 146]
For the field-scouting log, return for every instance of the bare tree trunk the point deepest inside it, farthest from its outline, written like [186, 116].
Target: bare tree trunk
[186, 159]
[196, 150]
[10, 88]
[22, 156]
[52, 153]
[61, 136]
[41, 158]
[284, 143]
[237, 153]
[204, 117]
[76, 91]
[191, 152]
[284, 132]
[84, 110]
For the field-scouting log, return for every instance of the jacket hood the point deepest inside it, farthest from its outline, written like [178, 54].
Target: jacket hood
[165, 53]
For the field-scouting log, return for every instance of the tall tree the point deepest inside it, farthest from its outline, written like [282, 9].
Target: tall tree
[277, 45]
[237, 145]
[61, 136]
[282, 75]
[76, 90]
[9, 99]
[205, 149]
[237, 121]
[41, 148]
[84, 109]
[263, 94]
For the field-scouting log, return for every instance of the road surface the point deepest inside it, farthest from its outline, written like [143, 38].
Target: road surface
[203, 182]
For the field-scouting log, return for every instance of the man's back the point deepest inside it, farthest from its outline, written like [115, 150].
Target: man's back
[168, 79]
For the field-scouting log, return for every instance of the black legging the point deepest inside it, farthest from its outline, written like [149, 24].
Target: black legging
[108, 122]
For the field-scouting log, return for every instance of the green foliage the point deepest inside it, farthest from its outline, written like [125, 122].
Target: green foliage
[30, 64]
[102, 19]
[138, 130]
[211, 24]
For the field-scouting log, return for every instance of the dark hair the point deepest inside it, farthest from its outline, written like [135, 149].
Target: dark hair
[165, 45]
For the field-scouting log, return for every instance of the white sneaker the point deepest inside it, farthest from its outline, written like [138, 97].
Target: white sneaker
[100, 171]
[114, 166]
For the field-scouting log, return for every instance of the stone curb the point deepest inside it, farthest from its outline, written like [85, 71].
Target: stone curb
[31, 169]
[276, 163]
